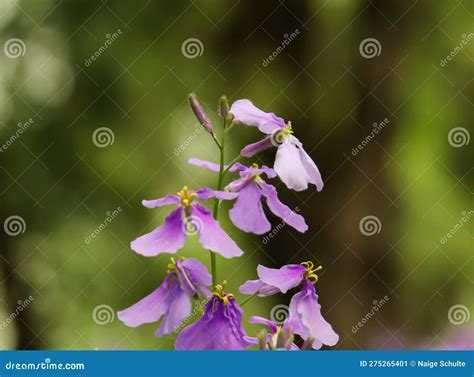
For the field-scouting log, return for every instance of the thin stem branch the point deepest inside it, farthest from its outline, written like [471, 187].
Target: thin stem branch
[215, 211]
[233, 162]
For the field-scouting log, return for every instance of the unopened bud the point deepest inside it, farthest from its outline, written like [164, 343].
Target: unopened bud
[199, 112]
[223, 107]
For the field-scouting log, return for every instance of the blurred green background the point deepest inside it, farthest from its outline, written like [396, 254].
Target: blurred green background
[414, 176]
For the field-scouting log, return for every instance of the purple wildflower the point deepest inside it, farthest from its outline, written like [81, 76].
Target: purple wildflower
[220, 328]
[247, 213]
[292, 164]
[280, 336]
[305, 317]
[188, 218]
[171, 301]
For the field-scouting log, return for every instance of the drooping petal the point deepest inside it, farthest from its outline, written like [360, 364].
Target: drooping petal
[251, 287]
[220, 328]
[211, 235]
[149, 309]
[167, 238]
[213, 166]
[307, 320]
[289, 166]
[197, 273]
[281, 210]
[167, 200]
[257, 319]
[284, 278]
[311, 169]
[247, 213]
[246, 112]
[178, 305]
[206, 193]
[254, 148]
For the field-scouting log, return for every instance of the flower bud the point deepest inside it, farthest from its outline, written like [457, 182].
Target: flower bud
[223, 107]
[199, 112]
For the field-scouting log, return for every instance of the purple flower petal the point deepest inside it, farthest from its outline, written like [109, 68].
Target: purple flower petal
[251, 287]
[197, 273]
[179, 307]
[211, 235]
[252, 149]
[220, 328]
[311, 169]
[258, 171]
[246, 112]
[307, 320]
[284, 278]
[264, 321]
[213, 166]
[281, 210]
[149, 309]
[206, 193]
[167, 238]
[167, 200]
[247, 213]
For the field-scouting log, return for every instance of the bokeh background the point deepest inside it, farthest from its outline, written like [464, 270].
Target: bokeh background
[351, 64]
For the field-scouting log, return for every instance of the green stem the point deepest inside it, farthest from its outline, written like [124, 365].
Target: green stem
[215, 211]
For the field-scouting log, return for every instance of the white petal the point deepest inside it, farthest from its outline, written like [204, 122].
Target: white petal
[289, 166]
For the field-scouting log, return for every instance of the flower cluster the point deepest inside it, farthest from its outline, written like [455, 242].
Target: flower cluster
[221, 325]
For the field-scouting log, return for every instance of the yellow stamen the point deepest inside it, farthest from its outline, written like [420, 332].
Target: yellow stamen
[310, 273]
[288, 129]
[219, 293]
[186, 197]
